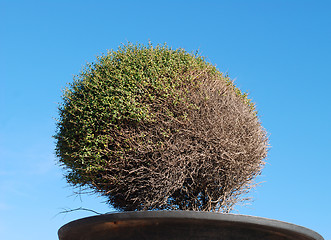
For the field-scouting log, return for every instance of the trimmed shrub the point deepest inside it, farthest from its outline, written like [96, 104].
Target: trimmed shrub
[156, 128]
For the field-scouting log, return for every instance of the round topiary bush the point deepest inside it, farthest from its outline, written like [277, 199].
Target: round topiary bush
[156, 128]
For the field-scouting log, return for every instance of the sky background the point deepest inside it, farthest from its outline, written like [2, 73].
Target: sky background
[279, 51]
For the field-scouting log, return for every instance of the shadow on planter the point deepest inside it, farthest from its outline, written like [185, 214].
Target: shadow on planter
[182, 225]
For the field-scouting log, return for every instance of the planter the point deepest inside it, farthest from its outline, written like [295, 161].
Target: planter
[182, 225]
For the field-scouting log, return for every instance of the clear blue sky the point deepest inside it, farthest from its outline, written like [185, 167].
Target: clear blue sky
[279, 51]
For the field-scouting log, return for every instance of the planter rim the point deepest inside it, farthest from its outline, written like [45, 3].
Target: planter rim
[237, 219]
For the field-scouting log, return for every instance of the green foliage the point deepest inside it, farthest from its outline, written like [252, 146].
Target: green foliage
[127, 101]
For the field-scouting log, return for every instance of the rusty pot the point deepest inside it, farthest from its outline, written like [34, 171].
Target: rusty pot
[182, 225]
